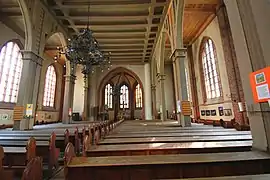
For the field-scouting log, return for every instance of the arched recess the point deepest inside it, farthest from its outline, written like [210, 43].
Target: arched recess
[51, 56]
[27, 24]
[120, 76]
[53, 41]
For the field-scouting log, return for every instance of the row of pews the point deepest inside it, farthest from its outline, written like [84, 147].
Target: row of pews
[156, 150]
[36, 154]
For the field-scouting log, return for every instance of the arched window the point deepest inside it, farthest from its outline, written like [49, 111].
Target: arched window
[10, 72]
[124, 98]
[210, 73]
[108, 95]
[138, 96]
[50, 87]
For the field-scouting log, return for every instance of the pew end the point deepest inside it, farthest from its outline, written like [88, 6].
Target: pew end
[31, 149]
[54, 153]
[33, 170]
[69, 154]
[86, 145]
[4, 174]
[77, 141]
[66, 134]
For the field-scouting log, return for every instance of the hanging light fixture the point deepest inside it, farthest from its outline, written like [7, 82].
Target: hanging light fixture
[84, 49]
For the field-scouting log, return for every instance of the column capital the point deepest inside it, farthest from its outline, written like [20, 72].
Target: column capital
[70, 78]
[31, 56]
[178, 53]
[153, 87]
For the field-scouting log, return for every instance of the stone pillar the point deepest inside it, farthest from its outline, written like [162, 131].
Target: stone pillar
[68, 97]
[175, 79]
[93, 92]
[147, 92]
[85, 106]
[154, 102]
[161, 79]
[250, 57]
[29, 87]
[179, 56]
[193, 83]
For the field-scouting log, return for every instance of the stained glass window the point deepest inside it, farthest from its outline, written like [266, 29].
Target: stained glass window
[108, 95]
[211, 76]
[124, 97]
[10, 72]
[138, 96]
[50, 87]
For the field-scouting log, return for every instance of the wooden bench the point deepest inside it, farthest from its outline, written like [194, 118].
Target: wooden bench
[15, 159]
[169, 148]
[33, 169]
[166, 166]
[247, 177]
[17, 156]
[176, 134]
[174, 139]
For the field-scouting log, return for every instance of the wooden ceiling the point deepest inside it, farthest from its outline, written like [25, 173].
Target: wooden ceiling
[126, 28]
[197, 16]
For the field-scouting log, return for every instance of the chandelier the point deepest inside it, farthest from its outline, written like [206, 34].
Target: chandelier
[83, 49]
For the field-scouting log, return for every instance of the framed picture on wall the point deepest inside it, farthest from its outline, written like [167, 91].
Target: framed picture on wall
[203, 112]
[220, 111]
[208, 113]
[213, 112]
[227, 112]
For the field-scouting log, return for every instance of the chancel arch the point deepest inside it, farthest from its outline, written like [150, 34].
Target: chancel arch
[124, 98]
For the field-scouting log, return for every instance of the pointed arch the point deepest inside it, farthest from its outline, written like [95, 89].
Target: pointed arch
[27, 25]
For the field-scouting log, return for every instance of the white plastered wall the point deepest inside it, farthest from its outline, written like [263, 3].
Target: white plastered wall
[213, 32]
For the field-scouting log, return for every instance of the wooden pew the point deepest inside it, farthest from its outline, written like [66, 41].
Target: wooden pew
[168, 166]
[169, 148]
[247, 177]
[176, 134]
[33, 169]
[16, 158]
[174, 139]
